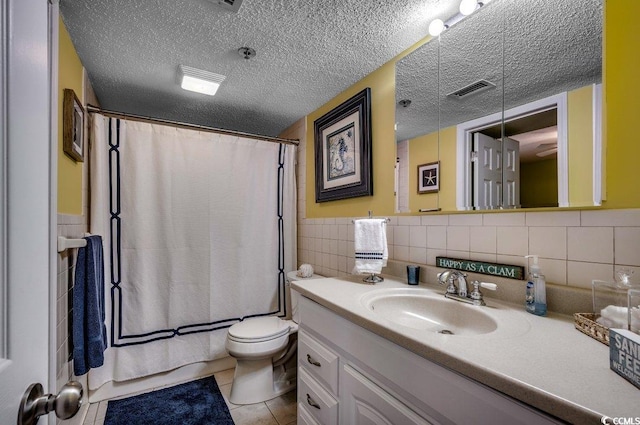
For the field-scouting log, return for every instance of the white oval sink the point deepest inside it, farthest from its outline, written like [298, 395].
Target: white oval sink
[422, 309]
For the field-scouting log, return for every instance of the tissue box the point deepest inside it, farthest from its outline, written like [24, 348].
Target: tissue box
[608, 293]
[624, 354]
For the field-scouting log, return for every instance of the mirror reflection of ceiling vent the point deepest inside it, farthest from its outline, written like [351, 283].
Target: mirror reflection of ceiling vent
[231, 5]
[473, 88]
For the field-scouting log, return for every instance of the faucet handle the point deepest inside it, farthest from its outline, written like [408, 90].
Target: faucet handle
[490, 286]
[476, 294]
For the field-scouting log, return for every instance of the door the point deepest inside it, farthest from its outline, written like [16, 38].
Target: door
[26, 203]
[487, 172]
[365, 403]
[511, 176]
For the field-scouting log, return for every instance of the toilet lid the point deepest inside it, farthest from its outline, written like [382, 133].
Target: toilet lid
[259, 329]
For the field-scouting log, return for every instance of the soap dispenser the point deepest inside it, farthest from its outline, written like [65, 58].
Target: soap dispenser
[536, 295]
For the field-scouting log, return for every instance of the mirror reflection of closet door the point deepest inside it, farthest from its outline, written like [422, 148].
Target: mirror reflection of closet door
[511, 173]
[487, 172]
[496, 173]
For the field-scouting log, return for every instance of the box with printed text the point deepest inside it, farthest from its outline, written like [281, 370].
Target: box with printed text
[624, 354]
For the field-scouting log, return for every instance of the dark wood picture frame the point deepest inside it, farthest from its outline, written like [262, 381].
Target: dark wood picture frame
[72, 126]
[343, 150]
[429, 177]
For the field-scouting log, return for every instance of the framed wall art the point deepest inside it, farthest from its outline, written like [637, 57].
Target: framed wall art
[72, 126]
[343, 150]
[429, 177]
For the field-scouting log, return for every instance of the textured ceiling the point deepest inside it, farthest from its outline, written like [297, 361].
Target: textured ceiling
[530, 49]
[308, 51]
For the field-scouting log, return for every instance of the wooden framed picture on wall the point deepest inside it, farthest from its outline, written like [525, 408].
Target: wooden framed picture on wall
[72, 126]
[343, 150]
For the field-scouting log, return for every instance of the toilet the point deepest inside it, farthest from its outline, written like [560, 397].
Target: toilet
[265, 352]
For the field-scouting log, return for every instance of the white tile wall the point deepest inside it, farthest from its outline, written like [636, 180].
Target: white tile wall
[627, 245]
[71, 226]
[571, 252]
[548, 242]
[512, 240]
[594, 244]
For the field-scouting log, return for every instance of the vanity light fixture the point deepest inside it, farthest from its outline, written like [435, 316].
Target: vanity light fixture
[199, 81]
[436, 27]
[467, 7]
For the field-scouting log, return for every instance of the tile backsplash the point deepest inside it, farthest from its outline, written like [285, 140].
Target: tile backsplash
[574, 246]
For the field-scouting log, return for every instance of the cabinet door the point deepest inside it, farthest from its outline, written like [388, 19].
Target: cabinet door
[365, 403]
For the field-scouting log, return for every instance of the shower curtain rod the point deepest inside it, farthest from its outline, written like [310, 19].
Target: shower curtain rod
[115, 114]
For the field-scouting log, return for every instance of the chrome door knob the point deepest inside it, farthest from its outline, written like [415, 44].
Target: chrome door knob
[35, 403]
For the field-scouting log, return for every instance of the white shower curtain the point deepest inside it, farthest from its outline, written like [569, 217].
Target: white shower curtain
[199, 232]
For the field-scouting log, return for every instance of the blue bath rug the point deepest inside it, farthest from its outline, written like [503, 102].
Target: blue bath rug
[194, 403]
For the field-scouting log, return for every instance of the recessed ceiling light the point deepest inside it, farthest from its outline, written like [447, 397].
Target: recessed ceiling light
[200, 81]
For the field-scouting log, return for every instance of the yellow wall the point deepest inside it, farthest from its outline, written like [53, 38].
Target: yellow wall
[382, 84]
[422, 150]
[580, 146]
[383, 100]
[70, 76]
[430, 148]
[622, 102]
[539, 184]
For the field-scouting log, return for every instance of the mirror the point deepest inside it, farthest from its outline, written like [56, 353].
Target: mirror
[544, 59]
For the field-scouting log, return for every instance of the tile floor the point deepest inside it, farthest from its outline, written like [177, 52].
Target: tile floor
[278, 411]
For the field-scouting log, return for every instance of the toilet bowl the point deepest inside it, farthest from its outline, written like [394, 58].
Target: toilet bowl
[265, 350]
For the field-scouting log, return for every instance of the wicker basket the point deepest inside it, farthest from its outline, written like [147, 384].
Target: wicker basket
[586, 323]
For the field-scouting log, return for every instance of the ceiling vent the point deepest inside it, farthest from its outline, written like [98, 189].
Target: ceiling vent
[473, 88]
[230, 5]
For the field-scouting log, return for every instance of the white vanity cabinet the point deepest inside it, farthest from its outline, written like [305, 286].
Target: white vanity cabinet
[349, 375]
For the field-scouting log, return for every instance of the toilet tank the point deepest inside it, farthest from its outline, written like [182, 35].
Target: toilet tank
[292, 277]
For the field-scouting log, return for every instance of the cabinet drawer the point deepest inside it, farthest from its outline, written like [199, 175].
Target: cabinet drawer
[318, 360]
[316, 400]
[304, 417]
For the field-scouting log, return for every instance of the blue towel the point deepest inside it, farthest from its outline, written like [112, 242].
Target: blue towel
[89, 331]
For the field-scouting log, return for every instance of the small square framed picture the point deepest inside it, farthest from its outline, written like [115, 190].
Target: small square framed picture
[429, 177]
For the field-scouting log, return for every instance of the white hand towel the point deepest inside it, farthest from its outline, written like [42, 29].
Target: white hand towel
[370, 245]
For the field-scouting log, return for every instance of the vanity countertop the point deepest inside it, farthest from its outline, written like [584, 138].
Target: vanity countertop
[547, 364]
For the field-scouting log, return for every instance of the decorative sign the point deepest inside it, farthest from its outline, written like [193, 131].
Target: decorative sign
[502, 270]
[624, 354]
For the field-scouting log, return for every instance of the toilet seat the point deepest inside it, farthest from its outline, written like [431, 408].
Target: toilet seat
[259, 329]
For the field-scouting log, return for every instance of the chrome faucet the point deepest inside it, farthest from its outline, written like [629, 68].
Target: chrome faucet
[457, 287]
